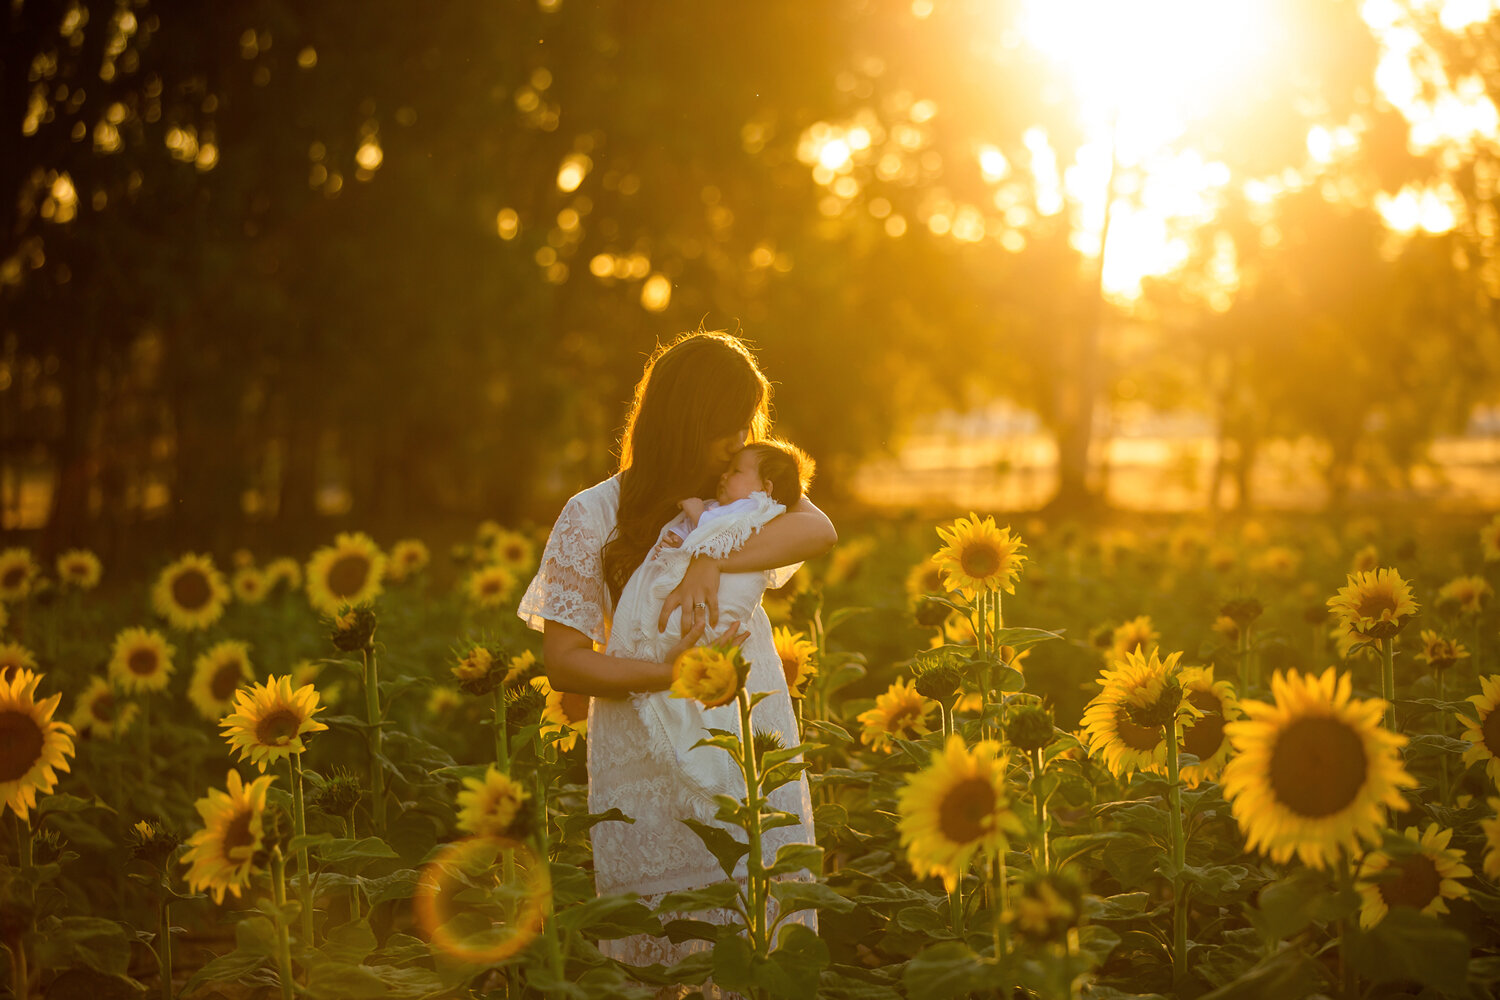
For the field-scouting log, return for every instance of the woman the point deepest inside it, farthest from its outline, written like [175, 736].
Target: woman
[697, 404]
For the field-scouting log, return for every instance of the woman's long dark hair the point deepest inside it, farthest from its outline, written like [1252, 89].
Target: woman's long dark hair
[702, 387]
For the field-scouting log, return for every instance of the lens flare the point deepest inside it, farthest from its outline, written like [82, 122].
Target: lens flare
[483, 899]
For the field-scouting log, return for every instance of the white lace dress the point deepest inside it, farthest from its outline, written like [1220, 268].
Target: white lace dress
[657, 854]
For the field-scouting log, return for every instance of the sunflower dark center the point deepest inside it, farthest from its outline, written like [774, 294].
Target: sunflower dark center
[963, 811]
[1207, 733]
[226, 679]
[905, 719]
[1490, 730]
[348, 574]
[103, 708]
[77, 569]
[1376, 605]
[490, 586]
[237, 834]
[1416, 884]
[1136, 737]
[191, 589]
[513, 553]
[142, 662]
[1318, 767]
[278, 727]
[21, 742]
[932, 581]
[980, 560]
[13, 577]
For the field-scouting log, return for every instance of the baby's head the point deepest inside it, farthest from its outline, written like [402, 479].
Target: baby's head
[778, 468]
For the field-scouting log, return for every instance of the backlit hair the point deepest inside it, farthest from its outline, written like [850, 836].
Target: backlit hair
[788, 468]
[702, 387]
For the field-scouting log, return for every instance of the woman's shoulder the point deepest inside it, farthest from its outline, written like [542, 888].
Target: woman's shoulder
[602, 500]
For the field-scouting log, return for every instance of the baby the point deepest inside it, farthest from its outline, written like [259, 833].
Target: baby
[762, 481]
[776, 468]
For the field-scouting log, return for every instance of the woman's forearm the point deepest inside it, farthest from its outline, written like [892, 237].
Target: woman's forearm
[599, 675]
[802, 533]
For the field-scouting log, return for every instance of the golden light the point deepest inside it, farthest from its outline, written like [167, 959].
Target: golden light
[656, 293]
[575, 167]
[507, 223]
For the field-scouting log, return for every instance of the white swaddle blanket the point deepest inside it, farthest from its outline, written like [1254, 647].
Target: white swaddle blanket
[676, 724]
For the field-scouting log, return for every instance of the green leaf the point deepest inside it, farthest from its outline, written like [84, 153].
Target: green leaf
[725, 849]
[229, 968]
[1096, 943]
[782, 774]
[371, 982]
[1024, 638]
[930, 921]
[91, 942]
[1124, 906]
[607, 917]
[352, 942]
[1287, 975]
[1289, 904]
[343, 850]
[793, 858]
[796, 964]
[307, 840]
[576, 825]
[1408, 945]
[732, 963]
[1076, 848]
[947, 970]
[1213, 884]
[842, 615]
[833, 734]
[791, 896]
[682, 929]
[720, 895]
[397, 885]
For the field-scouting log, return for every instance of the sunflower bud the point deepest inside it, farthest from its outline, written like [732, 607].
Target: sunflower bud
[524, 706]
[1161, 712]
[48, 846]
[931, 614]
[1030, 728]
[152, 842]
[765, 741]
[939, 679]
[276, 829]
[1242, 611]
[354, 629]
[339, 794]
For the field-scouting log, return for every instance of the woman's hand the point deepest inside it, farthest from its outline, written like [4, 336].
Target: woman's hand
[689, 639]
[697, 595]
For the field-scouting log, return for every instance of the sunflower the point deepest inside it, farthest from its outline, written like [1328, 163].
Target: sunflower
[1350, 644]
[1366, 560]
[1376, 605]
[408, 557]
[709, 675]
[443, 700]
[1424, 876]
[477, 672]
[347, 572]
[1489, 539]
[563, 712]
[17, 571]
[1205, 738]
[270, 720]
[222, 855]
[520, 668]
[79, 568]
[926, 577]
[250, 585]
[1227, 628]
[798, 655]
[14, 658]
[1125, 724]
[1491, 828]
[1483, 732]
[491, 806]
[141, 660]
[1135, 636]
[1468, 592]
[1438, 653]
[190, 593]
[977, 556]
[283, 570]
[217, 673]
[33, 748]
[958, 630]
[98, 714]
[900, 712]
[1313, 770]
[512, 550]
[1277, 562]
[490, 586]
[954, 808]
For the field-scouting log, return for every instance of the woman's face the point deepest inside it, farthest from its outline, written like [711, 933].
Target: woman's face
[721, 450]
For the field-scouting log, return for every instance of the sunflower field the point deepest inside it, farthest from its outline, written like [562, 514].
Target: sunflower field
[1156, 759]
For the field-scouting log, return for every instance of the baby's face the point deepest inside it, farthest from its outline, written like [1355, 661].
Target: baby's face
[741, 479]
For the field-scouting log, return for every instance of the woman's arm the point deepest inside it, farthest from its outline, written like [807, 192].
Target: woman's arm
[575, 667]
[802, 533]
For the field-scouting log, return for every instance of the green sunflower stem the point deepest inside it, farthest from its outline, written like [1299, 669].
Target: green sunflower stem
[1179, 857]
[502, 732]
[754, 865]
[164, 948]
[1388, 680]
[1243, 641]
[1037, 768]
[1001, 879]
[956, 907]
[299, 826]
[146, 739]
[543, 852]
[1348, 975]
[283, 935]
[372, 716]
[1442, 731]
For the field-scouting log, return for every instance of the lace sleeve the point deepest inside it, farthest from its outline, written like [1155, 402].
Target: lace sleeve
[569, 587]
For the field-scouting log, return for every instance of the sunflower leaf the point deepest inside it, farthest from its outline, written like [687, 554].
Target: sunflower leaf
[1408, 945]
[1287, 975]
[725, 849]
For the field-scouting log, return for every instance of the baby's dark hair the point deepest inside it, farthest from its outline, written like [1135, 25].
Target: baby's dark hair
[788, 468]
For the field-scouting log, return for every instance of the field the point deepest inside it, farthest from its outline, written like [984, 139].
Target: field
[186, 741]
